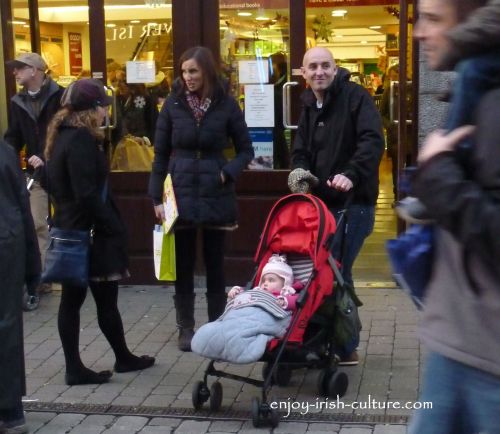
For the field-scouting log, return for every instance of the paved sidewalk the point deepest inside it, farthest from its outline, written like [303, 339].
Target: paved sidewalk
[158, 400]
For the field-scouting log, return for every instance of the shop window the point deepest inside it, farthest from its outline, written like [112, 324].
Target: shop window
[255, 59]
[362, 39]
[140, 71]
[21, 27]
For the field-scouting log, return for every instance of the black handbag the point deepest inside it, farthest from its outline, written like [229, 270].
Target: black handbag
[67, 257]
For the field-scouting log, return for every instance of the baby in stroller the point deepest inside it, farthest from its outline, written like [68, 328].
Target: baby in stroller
[277, 278]
[251, 318]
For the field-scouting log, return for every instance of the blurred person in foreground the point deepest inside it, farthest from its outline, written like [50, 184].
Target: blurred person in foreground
[31, 110]
[461, 317]
[19, 266]
[336, 154]
[197, 122]
[78, 184]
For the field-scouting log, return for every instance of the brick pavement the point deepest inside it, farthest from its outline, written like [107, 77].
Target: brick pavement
[388, 371]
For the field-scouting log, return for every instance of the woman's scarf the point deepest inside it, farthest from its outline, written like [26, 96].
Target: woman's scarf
[198, 107]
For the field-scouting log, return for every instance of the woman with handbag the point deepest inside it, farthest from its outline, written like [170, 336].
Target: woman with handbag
[197, 122]
[77, 183]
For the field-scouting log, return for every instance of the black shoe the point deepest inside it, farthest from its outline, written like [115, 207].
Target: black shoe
[134, 364]
[87, 376]
[17, 426]
[411, 210]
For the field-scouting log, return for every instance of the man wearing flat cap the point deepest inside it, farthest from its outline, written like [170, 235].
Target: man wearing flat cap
[31, 110]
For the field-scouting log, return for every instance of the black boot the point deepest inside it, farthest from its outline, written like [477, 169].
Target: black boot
[184, 310]
[216, 303]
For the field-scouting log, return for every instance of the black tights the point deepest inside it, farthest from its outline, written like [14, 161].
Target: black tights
[110, 322]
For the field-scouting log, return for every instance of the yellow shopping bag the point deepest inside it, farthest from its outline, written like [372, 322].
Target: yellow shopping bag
[164, 254]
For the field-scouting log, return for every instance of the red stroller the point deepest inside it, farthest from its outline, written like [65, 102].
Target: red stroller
[302, 227]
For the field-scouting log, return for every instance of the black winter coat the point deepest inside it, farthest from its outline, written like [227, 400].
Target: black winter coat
[352, 142]
[193, 155]
[77, 173]
[19, 264]
[26, 129]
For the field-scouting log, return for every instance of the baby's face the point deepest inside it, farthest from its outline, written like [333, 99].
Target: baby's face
[272, 282]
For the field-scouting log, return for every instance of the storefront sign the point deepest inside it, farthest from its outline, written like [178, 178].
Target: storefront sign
[262, 142]
[259, 105]
[334, 3]
[133, 32]
[257, 4]
[75, 53]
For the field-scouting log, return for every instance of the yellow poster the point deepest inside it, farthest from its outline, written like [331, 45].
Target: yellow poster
[169, 204]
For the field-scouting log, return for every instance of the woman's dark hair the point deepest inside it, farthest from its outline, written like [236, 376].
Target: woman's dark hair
[209, 69]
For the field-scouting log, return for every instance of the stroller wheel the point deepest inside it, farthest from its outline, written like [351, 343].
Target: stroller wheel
[30, 302]
[323, 380]
[274, 418]
[200, 394]
[215, 396]
[337, 385]
[256, 413]
[282, 375]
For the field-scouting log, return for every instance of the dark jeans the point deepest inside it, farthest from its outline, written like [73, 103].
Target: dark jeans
[213, 255]
[357, 224]
[475, 76]
[464, 400]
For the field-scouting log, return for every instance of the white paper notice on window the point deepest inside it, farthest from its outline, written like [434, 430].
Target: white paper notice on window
[259, 105]
[141, 71]
[253, 71]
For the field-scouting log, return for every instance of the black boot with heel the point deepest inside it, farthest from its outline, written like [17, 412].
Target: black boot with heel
[184, 310]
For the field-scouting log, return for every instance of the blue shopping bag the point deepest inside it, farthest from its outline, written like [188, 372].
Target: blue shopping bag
[411, 258]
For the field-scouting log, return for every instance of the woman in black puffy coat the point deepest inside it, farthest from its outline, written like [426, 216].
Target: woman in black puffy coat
[198, 121]
[77, 181]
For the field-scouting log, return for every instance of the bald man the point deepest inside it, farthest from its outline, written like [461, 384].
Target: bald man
[340, 141]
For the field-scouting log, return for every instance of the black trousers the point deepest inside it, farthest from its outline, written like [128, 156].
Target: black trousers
[213, 255]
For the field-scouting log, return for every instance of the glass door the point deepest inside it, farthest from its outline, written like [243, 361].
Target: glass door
[255, 51]
[64, 37]
[139, 69]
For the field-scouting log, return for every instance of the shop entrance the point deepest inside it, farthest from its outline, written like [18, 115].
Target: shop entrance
[365, 37]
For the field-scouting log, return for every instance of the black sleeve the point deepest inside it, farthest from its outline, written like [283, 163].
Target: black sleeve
[301, 154]
[32, 259]
[163, 148]
[14, 136]
[238, 131]
[369, 139]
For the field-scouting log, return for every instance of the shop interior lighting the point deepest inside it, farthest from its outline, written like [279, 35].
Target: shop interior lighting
[110, 25]
[339, 13]
[18, 22]
[375, 27]
[261, 15]
[364, 42]
[135, 21]
[244, 14]
[154, 3]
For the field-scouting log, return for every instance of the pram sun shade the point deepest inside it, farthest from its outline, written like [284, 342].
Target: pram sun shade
[301, 225]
